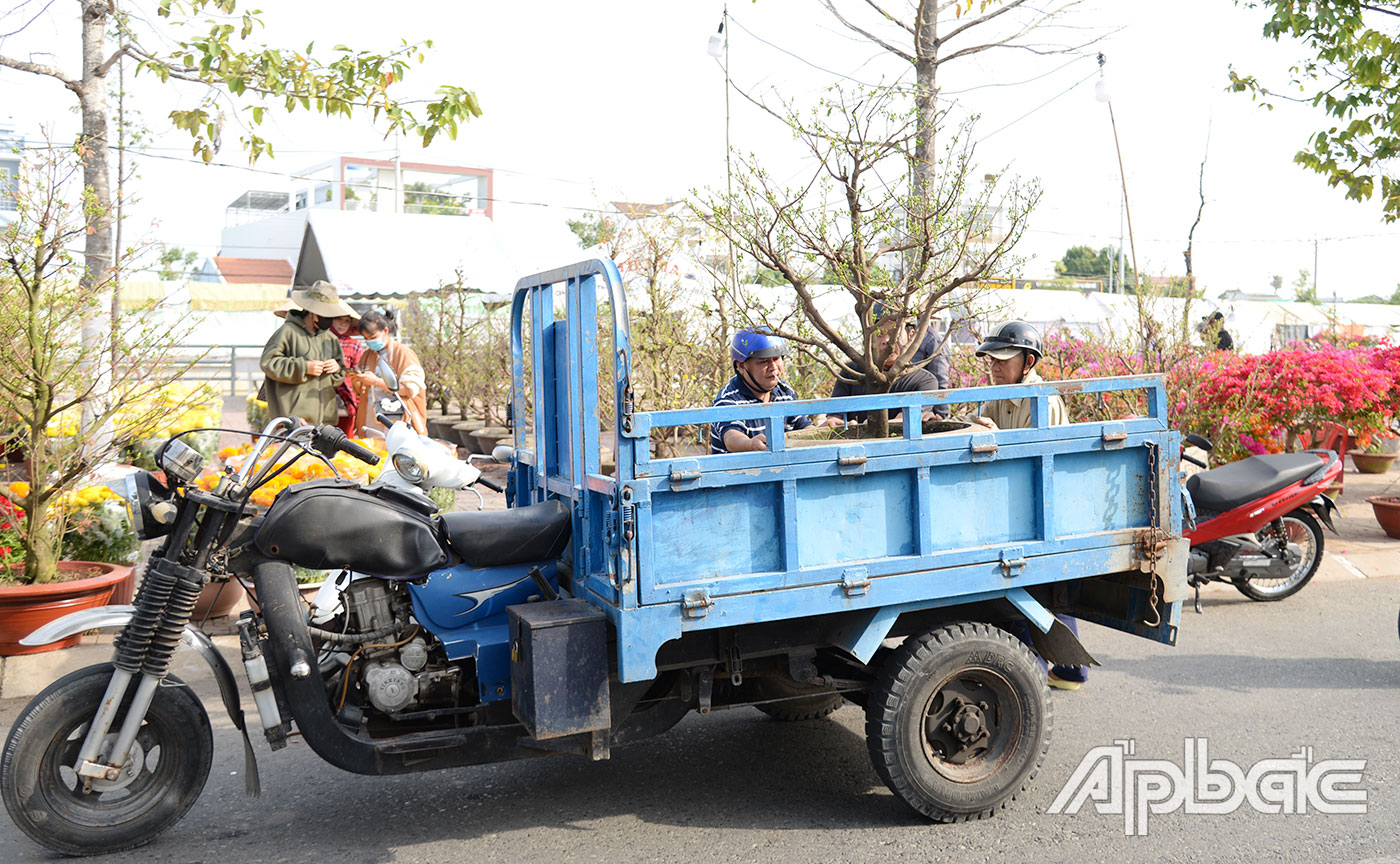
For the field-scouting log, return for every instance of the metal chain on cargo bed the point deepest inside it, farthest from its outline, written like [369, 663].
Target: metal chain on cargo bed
[1154, 541]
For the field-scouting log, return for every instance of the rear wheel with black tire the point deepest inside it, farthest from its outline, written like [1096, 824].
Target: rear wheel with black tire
[1303, 538]
[166, 771]
[959, 721]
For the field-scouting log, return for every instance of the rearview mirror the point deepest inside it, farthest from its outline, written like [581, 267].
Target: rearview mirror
[503, 453]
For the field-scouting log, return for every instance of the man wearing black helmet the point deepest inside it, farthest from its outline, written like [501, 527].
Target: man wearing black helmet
[757, 357]
[1012, 353]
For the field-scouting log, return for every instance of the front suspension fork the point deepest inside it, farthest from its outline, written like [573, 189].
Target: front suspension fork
[143, 652]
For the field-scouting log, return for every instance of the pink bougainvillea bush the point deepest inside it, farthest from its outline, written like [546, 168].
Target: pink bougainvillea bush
[1246, 404]
[1268, 403]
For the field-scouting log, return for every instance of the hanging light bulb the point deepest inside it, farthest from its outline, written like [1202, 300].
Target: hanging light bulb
[716, 46]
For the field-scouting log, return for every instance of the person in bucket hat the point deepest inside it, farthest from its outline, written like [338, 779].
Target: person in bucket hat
[303, 360]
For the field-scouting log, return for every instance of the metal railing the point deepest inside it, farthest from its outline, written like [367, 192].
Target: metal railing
[232, 366]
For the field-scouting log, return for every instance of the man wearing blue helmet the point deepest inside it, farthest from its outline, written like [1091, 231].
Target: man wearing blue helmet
[757, 356]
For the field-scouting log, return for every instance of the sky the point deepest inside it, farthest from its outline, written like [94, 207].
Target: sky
[590, 102]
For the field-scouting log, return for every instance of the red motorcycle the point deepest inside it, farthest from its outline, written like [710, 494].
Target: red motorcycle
[1255, 523]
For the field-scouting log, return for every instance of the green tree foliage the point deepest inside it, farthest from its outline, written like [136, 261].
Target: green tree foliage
[594, 228]
[1082, 262]
[1304, 290]
[1352, 72]
[176, 263]
[420, 197]
[1393, 299]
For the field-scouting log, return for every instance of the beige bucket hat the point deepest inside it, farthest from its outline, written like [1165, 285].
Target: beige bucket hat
[323, 299]
[282, 308]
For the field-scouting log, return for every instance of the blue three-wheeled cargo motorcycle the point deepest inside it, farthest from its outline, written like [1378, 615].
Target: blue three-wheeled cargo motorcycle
[604, 605]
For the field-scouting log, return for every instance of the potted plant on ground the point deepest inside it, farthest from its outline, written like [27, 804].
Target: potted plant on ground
[1374, 454]
[66, 375]
[1387, 510]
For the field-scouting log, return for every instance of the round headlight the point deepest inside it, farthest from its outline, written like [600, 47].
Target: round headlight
[149, 506]
[408, 467]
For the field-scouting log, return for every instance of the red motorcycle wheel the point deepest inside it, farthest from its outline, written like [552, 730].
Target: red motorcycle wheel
[1301, 528]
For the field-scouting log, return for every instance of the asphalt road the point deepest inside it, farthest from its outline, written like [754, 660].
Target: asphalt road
[1257, 680]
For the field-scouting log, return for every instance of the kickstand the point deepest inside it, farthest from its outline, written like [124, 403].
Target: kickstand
[1198, 597]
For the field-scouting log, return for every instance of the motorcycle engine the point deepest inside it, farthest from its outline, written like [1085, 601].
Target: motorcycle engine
[403, 677]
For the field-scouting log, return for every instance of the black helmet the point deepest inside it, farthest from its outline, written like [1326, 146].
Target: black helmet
[1013, 335]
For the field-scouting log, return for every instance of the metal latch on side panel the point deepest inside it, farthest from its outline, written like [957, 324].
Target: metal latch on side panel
[636, 426]
[696, 604]
[1013, 561]
[1114, 435]
[850, 460]
[855, 581]
[983, 446]
[687, 471]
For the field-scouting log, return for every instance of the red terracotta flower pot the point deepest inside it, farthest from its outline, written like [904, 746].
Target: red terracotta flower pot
[1387, 512]
[125, 590]
[1371, 463]
[26, 608]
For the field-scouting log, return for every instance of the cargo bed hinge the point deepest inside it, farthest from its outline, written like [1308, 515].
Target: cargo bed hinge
[697, 604]
[855, 581]
[1013, 561]
[687, 471]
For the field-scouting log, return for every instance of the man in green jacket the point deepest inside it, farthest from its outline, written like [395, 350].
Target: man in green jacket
[303, 361]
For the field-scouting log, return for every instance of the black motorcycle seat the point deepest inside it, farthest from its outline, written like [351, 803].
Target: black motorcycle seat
[1238, 483]
[491, 538]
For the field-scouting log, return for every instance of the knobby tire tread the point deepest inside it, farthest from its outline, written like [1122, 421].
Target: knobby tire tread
[901, 673]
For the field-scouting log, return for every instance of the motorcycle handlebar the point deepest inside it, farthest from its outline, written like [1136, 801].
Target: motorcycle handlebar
[329, 439]
[489, 485]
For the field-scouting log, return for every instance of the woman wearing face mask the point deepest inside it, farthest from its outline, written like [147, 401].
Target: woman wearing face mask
[347, 329]
[389, 368]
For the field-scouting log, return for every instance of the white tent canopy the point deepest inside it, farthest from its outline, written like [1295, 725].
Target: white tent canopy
[377, 255]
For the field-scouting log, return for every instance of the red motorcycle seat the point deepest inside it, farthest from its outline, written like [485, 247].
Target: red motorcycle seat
[1239, 483]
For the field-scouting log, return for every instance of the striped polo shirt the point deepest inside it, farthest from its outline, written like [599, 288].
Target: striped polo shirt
[736, 392]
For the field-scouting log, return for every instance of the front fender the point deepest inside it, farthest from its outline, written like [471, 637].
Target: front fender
[117, 616]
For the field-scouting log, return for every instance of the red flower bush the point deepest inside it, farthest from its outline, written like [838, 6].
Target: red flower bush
[1264, 403]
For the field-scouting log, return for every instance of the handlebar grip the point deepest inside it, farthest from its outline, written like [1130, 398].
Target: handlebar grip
[489, 485]
[359, 451]
[328, 439]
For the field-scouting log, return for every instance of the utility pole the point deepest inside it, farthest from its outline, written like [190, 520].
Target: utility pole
[728, 169]
[398, 177]
[1101, 94]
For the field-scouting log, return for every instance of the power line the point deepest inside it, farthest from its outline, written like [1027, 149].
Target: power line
[1040, 106]
[358, 185]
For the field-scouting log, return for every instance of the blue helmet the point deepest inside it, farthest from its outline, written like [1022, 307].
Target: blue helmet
[758, 342]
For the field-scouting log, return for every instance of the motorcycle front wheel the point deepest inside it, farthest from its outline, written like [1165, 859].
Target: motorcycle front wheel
[1302, 530]
[70, 814]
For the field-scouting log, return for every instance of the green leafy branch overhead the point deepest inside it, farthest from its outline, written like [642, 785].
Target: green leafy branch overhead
[225, 58]
[1353, 75]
